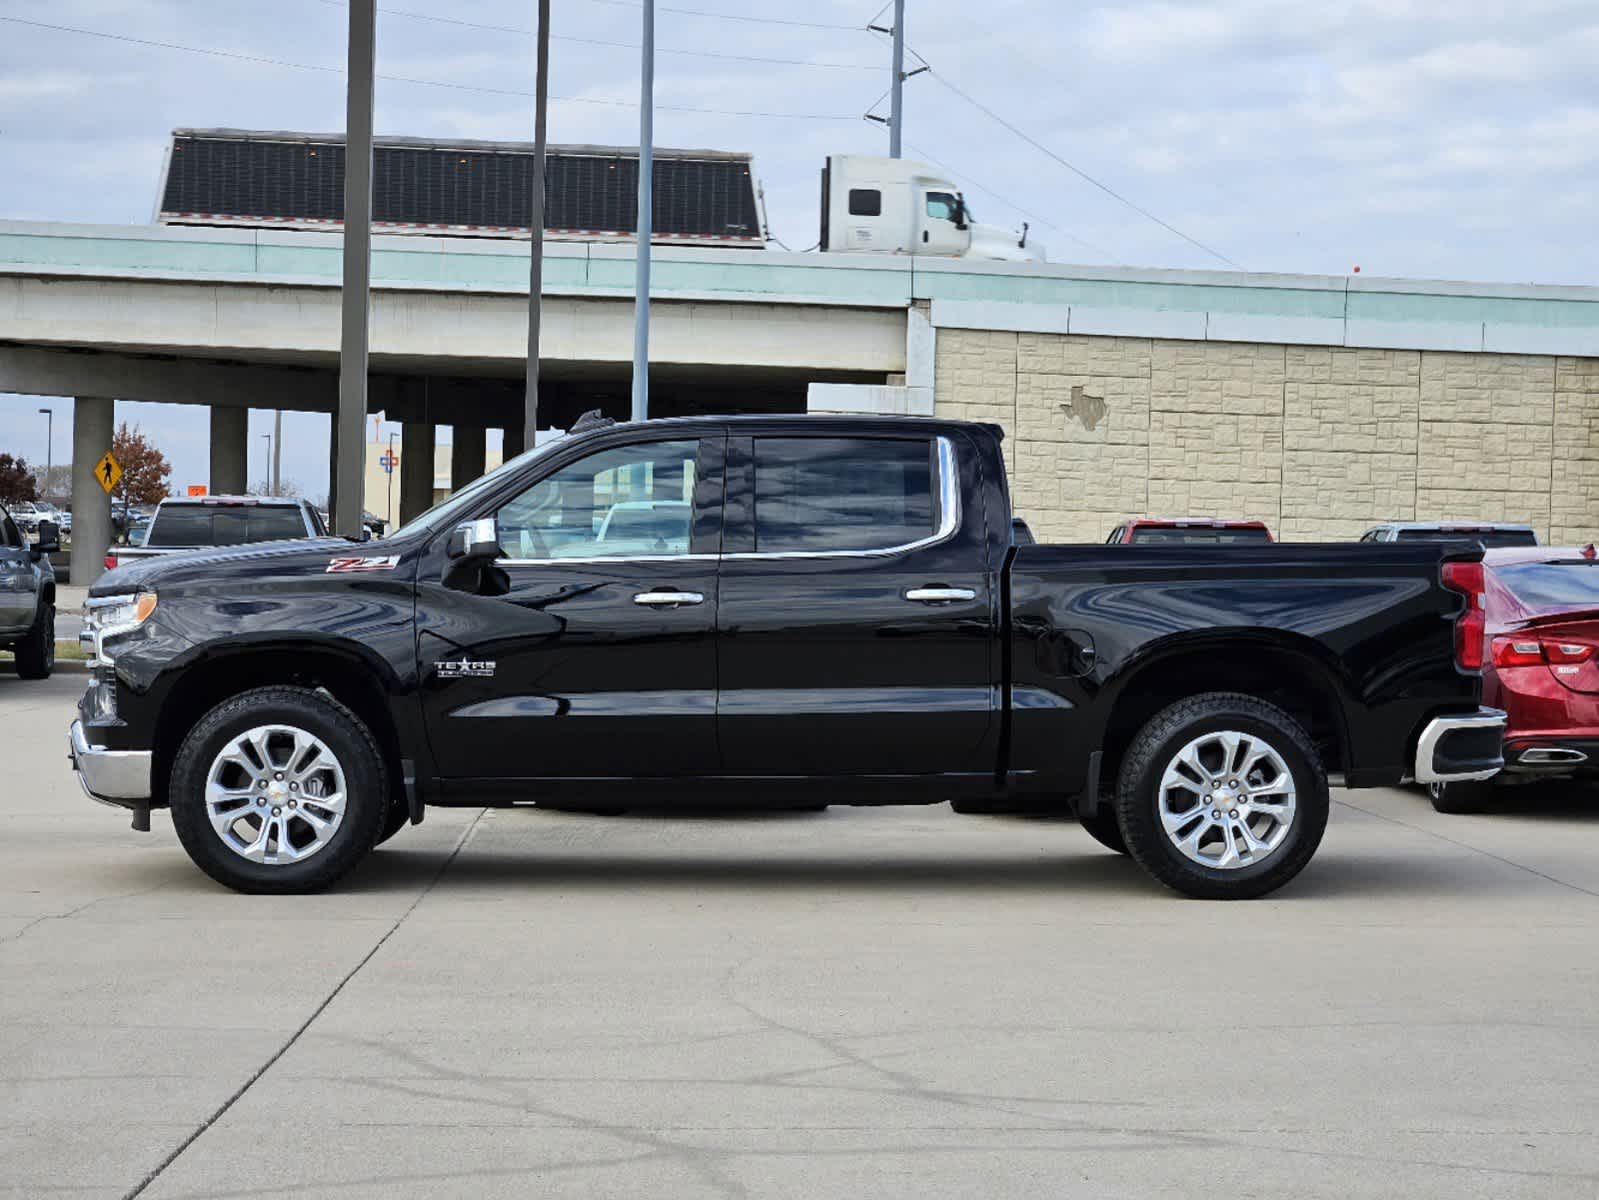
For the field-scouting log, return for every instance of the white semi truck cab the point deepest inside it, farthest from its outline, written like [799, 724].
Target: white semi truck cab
[893, 206]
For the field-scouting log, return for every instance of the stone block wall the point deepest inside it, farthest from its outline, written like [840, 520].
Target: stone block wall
[1319, 442]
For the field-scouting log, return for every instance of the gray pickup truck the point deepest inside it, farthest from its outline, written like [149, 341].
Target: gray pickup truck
[28, 596]
[206, 522]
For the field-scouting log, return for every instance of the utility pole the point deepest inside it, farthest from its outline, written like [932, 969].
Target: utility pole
[535, 282]
[646, 218]
[277, 452]
[349, 423]
[49, 450]
[896, 114]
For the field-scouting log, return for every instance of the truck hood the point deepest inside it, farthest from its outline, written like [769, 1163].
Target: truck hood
[227, 560]
[997, 243]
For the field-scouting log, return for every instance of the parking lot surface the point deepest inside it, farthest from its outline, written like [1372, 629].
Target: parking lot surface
[897, 1002]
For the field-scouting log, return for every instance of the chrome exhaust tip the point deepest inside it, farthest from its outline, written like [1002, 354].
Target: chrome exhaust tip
[1545, 756]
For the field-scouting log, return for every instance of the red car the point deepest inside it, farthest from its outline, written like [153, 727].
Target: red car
[1541, 665]
[1186, 531]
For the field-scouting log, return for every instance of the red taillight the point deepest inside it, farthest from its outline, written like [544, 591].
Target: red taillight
[1525, 651]
[1517, 652]
[110, 562]
[1466, 578]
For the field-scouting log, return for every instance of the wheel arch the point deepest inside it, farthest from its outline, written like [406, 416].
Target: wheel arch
[1293, 672]
[342, 669]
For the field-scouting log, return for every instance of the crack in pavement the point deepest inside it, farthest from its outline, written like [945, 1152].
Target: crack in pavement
[315, 1013]
[1509, 862]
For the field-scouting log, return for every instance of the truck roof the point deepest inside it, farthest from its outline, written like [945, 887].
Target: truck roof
[257, 501]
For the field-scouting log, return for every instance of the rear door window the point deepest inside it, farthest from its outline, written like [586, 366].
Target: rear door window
[827, 495]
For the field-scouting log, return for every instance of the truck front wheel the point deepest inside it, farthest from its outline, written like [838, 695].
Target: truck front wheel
[279, 790]
[1222, 797]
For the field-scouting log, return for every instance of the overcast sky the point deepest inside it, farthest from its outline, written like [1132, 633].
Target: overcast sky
[1443, 139]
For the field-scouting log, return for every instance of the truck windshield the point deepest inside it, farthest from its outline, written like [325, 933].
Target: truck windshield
[1197, 536]
[453, 505]
[231, 525]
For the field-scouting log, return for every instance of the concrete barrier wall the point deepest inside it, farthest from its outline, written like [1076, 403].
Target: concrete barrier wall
[1320, 442]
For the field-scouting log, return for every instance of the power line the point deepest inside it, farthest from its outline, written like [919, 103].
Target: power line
[1079, 172]
[214, 52]
[970, 182]
[727, 16]
[588, 41]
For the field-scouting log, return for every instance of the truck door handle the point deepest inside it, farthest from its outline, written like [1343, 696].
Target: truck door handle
[668, 599]
[939, 595]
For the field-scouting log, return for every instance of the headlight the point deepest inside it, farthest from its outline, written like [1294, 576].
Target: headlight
[108, 616]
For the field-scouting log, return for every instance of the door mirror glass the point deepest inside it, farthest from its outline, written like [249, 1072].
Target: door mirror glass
[628, 502]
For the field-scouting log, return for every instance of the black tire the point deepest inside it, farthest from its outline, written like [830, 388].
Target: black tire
[36, 652]
[1458, 799]
[1157, 744]
[974, 807]
[1102, 827]
[366, 804]
[397, 818]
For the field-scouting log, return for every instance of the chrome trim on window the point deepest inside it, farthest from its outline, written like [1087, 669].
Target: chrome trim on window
[949, 511]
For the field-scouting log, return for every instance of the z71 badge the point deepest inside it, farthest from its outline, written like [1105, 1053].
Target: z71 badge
[347, 566]
[465, 669]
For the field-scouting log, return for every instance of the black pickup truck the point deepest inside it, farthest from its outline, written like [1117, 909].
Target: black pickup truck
[777, 610]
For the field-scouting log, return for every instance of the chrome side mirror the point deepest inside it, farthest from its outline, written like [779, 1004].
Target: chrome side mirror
[474, 541]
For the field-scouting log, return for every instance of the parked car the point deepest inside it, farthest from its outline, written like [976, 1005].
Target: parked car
[28, 596]
[1541, 665]
[828, 609]
[1187, 531]
[205, 522]
[1491, 534]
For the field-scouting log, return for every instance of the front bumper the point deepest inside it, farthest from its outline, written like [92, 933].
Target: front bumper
[1456, 749]
[117, 777]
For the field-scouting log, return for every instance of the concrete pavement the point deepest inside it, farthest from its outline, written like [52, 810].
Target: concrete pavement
[886, 1003]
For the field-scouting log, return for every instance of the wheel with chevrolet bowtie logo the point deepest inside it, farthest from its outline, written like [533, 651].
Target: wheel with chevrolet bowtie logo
[279, 789]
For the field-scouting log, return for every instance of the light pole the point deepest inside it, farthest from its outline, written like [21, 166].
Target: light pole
[49, 449]
[646, 218]
[535, 299]
[267, 478]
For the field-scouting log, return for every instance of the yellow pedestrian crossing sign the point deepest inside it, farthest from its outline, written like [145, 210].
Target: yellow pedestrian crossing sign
[107, 471]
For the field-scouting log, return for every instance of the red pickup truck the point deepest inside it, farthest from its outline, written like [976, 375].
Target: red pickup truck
[1187, 531]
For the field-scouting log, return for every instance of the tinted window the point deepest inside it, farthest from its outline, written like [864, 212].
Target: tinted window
[1198, 537]
[1552, 585]
[630, 502]
[824, 494]
[214, 525]
[865, 202]
[1488, 537]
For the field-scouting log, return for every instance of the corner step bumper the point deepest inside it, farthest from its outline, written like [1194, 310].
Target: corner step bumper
[1456, 749]
[117, 777]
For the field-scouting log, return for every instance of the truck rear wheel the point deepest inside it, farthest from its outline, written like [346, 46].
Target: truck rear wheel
[279, 790]
[36, 653]
[1222, 797]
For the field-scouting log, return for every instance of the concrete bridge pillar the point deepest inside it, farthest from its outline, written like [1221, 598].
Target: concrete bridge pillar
[416, 469]
[93, 422]
[468, 455]
[230, 449]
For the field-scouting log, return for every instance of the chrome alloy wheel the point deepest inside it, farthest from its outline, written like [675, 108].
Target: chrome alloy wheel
[1227, 800]
[275, 794]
